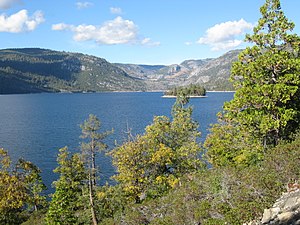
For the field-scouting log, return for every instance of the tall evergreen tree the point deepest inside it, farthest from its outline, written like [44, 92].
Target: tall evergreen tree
[90, 132]
[65, 202]
[266, 105]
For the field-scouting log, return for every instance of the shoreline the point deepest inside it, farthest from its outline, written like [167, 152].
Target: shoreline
[84, 92]
[173, 96]
[222, 91]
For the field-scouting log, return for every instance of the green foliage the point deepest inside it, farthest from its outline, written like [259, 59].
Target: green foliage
[20, 189]
[32, 70]
[110, 202]
[152, 164]
[36, 218]
[190, 90]
[95, 144]
[267, 97]
[74, 199]
[222, 195]
[30, 175]
[266, 104]
[66, 201]
[232, 144]
[90, 132]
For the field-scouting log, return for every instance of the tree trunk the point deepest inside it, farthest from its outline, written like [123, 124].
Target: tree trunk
[94, 219]
[265, 142]
[93, 164]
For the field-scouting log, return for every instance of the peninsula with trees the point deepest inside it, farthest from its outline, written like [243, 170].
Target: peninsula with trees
[192, 91]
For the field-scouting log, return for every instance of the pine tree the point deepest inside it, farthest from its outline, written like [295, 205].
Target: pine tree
[66, 200]
[266, 104]
[90, 132]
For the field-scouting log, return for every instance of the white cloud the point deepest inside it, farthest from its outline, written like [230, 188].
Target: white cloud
[115, 10]
[225, 35]
[117, 31]
[6, 4]
[20, 21]
[83, 5]
[149, 42]
[230, 44]
[60, 26]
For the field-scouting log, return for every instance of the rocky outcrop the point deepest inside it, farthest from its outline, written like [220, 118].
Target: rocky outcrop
[285, 211]
[211, 73]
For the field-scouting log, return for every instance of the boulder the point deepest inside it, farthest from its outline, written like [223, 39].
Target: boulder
[285, 211]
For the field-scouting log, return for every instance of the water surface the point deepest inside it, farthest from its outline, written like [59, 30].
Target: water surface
[35, 126]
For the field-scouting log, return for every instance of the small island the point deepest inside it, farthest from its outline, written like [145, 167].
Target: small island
[192, 91]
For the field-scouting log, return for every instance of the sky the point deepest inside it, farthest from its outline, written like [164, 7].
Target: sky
[154, 32]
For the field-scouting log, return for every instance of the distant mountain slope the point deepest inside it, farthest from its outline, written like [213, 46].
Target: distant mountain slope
[144, 72]
[32, 70]
[213, 74]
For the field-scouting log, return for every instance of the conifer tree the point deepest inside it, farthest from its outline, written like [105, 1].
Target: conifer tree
[266, 105]
[90, 132]
[65, 202]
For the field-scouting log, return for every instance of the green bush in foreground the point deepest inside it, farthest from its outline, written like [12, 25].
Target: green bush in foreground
[224, 195]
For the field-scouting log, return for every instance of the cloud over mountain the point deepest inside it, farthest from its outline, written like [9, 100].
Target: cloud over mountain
[225, 35]
[117, 31]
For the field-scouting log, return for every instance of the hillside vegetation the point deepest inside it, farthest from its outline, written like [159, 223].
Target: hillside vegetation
[165, 176]
[40, 70]
[32, 70]
[191, 90]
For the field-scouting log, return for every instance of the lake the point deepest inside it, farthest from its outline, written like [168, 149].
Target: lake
[35, 126]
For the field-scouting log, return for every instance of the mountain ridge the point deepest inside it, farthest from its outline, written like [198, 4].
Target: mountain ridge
[43, 70]
[33, 70]
[212, 73]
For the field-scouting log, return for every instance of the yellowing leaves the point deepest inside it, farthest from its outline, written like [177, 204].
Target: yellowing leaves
[20, 187]
[101, 195]
[163, 155]
[152, 163]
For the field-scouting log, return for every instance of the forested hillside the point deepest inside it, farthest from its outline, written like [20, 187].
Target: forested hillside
[32, 70]
[41, 70]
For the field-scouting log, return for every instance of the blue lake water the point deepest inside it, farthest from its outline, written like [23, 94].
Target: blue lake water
[35, 126]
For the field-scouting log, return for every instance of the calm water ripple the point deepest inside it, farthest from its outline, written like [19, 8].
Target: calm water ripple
[35, 126]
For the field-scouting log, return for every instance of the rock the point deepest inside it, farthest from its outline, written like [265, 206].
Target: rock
[285, 211]
[285, 217]
[270, 214]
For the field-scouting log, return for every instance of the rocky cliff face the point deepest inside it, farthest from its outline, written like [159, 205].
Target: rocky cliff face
[41, 70]
[213, 74]
[285, 211]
